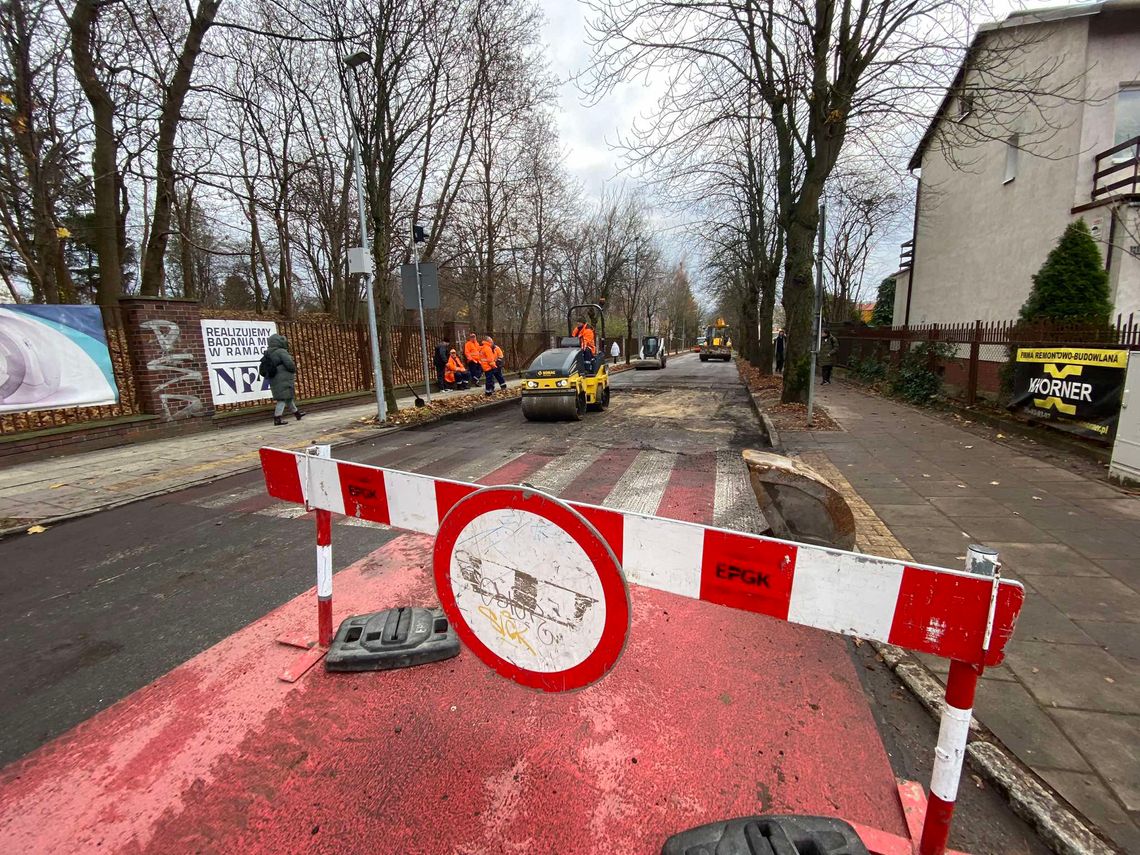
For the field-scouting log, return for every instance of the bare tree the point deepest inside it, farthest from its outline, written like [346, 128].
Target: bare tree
[39, 150]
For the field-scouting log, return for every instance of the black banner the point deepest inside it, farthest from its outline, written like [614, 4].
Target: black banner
[1078, 387]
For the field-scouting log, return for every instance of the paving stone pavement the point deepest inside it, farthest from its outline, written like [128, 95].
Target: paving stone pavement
[88, 481]
[1067, 699]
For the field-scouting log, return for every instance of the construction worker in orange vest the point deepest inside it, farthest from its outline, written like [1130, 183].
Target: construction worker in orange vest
[455, 372]
[491, 361]
[471, 352]
[585, 334]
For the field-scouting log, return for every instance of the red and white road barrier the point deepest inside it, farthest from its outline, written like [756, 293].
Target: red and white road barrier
[502, 559]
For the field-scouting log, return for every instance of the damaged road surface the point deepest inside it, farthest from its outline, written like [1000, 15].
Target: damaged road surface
[710, 713]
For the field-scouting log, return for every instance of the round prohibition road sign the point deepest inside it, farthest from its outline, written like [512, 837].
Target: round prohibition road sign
[531, 588]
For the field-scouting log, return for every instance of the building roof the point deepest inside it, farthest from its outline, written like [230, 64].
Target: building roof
[1019, 18]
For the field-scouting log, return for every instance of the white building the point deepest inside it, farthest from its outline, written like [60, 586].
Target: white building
[1002, 172]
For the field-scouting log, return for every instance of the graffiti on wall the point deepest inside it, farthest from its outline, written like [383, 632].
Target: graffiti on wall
[166, 334]
[54, 356]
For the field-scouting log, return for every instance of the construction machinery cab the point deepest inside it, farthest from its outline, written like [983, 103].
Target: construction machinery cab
[564, 381]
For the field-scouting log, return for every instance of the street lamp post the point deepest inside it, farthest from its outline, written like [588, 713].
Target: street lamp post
[420, 301]
[817, 313]
[353, 62]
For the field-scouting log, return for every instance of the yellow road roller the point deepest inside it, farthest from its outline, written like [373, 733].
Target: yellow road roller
[565, 381]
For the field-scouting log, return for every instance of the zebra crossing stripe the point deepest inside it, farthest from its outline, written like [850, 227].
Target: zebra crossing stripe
[926, 609]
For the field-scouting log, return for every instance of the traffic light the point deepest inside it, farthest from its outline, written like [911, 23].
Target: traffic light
[418, 234]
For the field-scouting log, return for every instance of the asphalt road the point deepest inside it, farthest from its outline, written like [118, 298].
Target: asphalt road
[96, 608]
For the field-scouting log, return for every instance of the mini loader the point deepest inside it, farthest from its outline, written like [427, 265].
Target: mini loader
[564, 381]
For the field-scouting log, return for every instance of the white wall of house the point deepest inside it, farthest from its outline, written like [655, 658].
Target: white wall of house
[985, 223]
[902, 282]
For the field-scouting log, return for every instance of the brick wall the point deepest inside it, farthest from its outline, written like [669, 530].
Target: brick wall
[168, 357]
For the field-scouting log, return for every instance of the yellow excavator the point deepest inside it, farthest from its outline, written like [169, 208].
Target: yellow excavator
[718, 342]
[565, 381]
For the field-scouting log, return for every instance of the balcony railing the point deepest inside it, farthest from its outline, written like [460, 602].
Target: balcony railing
[906, 254]
[1117, 171]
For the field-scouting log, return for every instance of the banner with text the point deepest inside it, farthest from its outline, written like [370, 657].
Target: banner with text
[1079, 387]
[54, 356]
[233, 351]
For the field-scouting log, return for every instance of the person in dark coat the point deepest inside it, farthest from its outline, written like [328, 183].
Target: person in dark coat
[282, 377]
[828, 348]
[781, 345]
[440, 356]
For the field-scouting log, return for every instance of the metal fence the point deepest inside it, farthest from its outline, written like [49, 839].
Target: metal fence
[40, 420]
[981, 349]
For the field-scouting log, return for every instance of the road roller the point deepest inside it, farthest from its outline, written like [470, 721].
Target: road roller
[565, 381]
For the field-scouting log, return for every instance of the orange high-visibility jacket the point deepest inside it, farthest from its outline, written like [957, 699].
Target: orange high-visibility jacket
[471, 350]
[489, 356]
[454, 363]
[586, 334]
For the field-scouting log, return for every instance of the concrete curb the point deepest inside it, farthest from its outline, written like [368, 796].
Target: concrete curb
[767, 426]
[86, 512]
[1061, 826]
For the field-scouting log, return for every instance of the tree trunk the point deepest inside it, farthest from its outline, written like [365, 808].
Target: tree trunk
[798, 305]
[105, 157]
[750, 321]
[153, 270]
[767, 349]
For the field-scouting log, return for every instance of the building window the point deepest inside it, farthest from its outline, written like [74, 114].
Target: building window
[1011, 153]
[1127, 113]
[965, 105]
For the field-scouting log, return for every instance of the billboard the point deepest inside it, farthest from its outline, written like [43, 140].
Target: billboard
[233, 351]
[54, 356]
[1079, 387]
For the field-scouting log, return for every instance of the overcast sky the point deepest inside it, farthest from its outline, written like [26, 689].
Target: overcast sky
[588, 133]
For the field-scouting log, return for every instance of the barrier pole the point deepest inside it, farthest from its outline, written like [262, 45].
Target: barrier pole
[324, 578]
[324, 558]
[954, 728]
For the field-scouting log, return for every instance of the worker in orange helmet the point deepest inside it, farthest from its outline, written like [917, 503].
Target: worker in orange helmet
[455, 372]
[471, 352]
[491, 361]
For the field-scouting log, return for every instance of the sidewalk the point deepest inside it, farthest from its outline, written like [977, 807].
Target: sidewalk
[1067, 699]
[43, 491]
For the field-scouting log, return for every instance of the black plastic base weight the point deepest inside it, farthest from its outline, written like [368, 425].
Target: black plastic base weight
[768, 835]
[392, 638]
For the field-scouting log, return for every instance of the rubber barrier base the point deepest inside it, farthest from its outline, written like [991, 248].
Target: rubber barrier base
[393, 638]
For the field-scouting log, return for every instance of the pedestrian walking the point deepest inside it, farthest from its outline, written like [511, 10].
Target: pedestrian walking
[491, 361]
[455, 372]
[827, 351]
[277, 364]
[615, 351]
[439, 358]
[781, 346]
[472, 354]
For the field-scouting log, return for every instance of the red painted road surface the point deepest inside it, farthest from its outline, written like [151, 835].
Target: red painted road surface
[710, 713]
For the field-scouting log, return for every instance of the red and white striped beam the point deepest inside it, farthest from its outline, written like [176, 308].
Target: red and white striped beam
[942, 612]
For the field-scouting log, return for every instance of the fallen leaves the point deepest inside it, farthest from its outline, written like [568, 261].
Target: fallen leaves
[443, 404]
[37, 529]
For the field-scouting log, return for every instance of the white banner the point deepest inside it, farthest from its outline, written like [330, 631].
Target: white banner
[233, 351]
